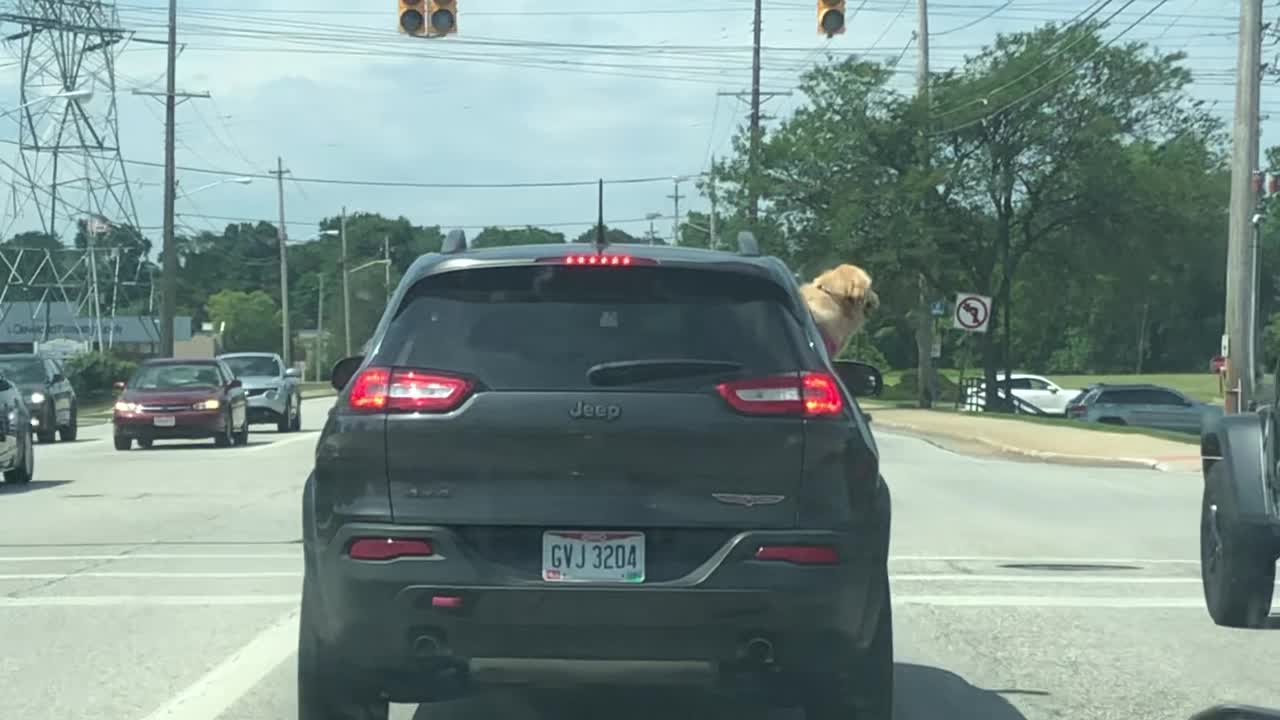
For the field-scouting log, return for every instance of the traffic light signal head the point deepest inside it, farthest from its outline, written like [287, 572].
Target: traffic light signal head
[442, 17]
[830, 17]
[412, 21]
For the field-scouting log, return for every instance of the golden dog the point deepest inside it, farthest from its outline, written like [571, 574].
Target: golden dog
[840, 300]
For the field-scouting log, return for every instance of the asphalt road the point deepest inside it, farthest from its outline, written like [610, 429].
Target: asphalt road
[162, 585]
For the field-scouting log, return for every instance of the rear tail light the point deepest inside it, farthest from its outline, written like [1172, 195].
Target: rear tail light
[406, 390]
[799, 554]
[809, 394]
[389, 548]
[598, 260]
[1075, 411]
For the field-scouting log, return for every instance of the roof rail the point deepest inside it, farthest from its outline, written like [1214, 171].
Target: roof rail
[747, 244]
[454, 242]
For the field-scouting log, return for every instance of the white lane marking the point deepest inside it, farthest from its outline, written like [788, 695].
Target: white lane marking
[1041, 560]
[1044, 579]
[136, 575]
[153, 556]
[281, 443]
[220, 688]
[143, 600]
[1048, 601]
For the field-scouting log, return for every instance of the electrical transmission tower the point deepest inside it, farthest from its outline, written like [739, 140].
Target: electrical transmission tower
[67, 178]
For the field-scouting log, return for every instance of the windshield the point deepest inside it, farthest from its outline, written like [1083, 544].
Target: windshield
[253, 365]
[24, 371]
[175, 377]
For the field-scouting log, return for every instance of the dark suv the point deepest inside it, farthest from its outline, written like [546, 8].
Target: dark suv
[622, 453]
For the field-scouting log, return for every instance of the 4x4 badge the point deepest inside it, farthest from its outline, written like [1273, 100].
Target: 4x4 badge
[589, 411]
[748, 500]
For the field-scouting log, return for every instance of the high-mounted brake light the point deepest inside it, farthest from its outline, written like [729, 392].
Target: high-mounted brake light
[389, 548]
[407, 390]
[809, 394]
[593, 260]
[799, 554]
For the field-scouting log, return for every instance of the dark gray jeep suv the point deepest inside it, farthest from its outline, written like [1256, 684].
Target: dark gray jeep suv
[596, 453]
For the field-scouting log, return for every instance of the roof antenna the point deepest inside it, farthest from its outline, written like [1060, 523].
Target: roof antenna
[601, 243]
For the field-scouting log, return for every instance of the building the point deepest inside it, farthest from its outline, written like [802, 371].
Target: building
[24, 324]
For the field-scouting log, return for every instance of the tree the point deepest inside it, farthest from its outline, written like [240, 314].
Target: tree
[613, 236]
[503, 237]
[249, 321]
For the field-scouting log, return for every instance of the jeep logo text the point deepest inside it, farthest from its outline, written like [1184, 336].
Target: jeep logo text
[595, 412]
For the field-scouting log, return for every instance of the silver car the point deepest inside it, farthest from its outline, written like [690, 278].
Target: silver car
[273, 391]
[1142, 405]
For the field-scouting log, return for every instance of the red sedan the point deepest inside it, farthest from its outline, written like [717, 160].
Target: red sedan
[181, 400]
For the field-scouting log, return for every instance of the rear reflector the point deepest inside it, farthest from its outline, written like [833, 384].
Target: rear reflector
[799, 554]
[388, 548]
[406, 390]
[598, 260]
[810, 394]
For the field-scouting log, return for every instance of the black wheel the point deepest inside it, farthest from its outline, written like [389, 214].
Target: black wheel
[227, 436]
[48, 425]
[863, 691]
[285, 423]
[145, 443]
[241, 437]
[25, 469]
[1239, 576]
[325, 692]
[296, 416]
[123, 443]
[72, 428]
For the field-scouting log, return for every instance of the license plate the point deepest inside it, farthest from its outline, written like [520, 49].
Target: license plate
[163, 421]
[592, 557]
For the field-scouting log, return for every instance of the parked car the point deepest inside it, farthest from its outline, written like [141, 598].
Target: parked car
[1143, 405]
[17, 435]
[677, 473]
[1039, 391]
[181, 400]
[274, 392]
[47, 392]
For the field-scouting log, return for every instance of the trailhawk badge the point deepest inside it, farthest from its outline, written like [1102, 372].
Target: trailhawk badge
[748, 500]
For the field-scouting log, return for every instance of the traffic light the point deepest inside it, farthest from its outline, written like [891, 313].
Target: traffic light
[412, 21]
[831, 17]
[442, 17]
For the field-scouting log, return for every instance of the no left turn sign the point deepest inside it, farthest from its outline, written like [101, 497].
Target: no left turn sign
[972, 312]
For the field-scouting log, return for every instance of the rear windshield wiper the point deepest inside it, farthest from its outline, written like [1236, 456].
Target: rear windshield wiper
[628, 372]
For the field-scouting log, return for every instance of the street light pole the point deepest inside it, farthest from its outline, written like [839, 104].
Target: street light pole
[283, 237]
[346, 288]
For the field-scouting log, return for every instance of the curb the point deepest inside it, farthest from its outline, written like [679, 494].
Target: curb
[1052, 457]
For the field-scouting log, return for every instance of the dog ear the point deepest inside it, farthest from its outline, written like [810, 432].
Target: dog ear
[848, 281]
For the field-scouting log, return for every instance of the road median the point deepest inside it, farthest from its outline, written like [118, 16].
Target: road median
[1041, 441]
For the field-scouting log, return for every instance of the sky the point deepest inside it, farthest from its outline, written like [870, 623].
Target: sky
[554, 91]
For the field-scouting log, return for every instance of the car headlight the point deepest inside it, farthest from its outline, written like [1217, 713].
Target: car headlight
[127, 407]
[210, 404]
[37, 398]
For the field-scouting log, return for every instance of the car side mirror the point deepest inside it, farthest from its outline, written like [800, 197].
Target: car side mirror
[861, 379]
[291, 373]
[1055, 391]
[118, 385]
[344, 370]
[235, 383]
[58, 377]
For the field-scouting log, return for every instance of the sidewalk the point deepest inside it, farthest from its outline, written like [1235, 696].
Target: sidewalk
[1041, 441]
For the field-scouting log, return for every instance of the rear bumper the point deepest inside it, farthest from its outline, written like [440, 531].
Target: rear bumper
[373, 613]
[191, 425]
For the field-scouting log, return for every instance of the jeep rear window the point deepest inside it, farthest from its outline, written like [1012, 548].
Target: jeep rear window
[542, 327]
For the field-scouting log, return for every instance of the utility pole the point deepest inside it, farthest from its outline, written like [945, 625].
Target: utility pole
[346, 286]
[924, 321]
[283, 238]
[675, 217]
[753, 180]
[711, 193]
[169, 290]
[1240, 271]
[319, 325]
